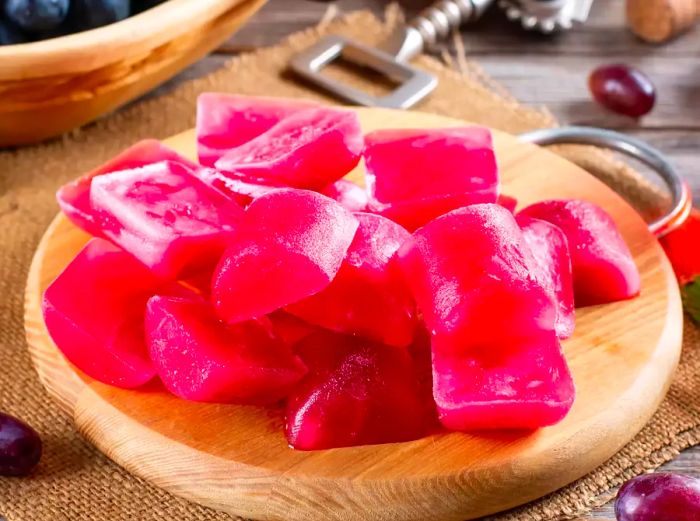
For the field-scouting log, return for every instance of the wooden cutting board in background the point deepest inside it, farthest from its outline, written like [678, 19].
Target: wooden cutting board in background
[235, 458]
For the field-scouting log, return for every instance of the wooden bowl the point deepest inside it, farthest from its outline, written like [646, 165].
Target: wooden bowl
[236, 459]
[52, 86]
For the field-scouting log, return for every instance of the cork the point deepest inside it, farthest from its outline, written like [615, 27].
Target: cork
[658, 21]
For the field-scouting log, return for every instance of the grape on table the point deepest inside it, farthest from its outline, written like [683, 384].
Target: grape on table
[20, 447]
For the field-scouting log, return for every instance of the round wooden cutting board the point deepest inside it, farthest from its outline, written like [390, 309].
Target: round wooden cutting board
[235, 458]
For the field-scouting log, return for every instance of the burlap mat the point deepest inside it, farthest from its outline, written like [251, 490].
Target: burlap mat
[74, 482]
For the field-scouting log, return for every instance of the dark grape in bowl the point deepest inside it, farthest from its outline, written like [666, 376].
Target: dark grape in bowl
[33, 20]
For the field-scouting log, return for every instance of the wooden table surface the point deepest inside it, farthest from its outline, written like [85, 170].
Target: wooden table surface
[549, 71]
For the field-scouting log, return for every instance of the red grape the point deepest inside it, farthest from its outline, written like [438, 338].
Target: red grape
[659, 497]
[622, 89]
[20, 447]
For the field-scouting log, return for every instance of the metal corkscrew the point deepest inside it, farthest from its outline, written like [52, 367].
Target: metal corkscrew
[432, 25]
[423, 32]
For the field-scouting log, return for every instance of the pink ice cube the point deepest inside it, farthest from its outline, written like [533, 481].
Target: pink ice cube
[552, 268]
[356, 393]
[471, 275]
[226, 121]
[201, 359]
[406, 165]
[74, 197]
[94, 311]
[310, 149]
[524, 385]
[368, 297]
[165, 216]
[240, 188]
[415, 213]
[289, 245]
[603, 267]
[348, 194]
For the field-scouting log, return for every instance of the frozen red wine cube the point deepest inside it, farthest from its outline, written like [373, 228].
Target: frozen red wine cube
[508, 202]
[603, 268]
[417, 212]
[165, 217]
[497, 362]
[199, 282]
[552, 268]
[422, 356]
[513, 386]
[348, 194]
[199, 358]
[74, 197]
[240, 188]
[368, 297]
[289, 245]
[94, 312]
[356, 393]
[226, 121]
[290, 328]
[471, 274]
[310, 149]
[406, 164]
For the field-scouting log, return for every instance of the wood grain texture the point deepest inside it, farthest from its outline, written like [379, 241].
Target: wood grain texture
[50, 87]
[235, 458]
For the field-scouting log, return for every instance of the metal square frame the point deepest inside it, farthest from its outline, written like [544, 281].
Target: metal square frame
[414, 84]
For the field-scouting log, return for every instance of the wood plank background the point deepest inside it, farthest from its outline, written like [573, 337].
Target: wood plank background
[549, 71]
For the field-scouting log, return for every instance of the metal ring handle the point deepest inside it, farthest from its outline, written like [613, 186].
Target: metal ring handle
[681, 200]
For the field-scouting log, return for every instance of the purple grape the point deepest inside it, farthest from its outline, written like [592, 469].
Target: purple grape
[89, 14]
[623, 89]
[36, 16]
[9, 34]
[659, 497]
[20, 447]
[138, 6]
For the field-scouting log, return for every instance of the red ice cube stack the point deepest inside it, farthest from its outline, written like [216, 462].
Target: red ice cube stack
[260, 275]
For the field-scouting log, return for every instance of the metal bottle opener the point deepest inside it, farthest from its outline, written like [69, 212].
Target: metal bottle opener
[435, 23]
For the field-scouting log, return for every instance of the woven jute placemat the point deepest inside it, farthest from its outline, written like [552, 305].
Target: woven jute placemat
[74, 482]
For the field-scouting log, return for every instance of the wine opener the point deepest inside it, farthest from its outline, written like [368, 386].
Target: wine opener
[435, 23]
